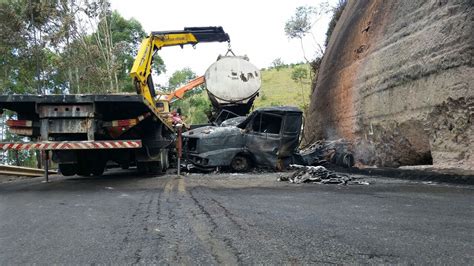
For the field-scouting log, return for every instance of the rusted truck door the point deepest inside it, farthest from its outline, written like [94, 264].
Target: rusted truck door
[263, 138]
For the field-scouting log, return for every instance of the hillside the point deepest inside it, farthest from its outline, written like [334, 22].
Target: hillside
[397, 80]
[278, 88]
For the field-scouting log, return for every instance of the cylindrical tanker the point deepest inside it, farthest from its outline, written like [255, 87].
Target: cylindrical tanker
[232, 83]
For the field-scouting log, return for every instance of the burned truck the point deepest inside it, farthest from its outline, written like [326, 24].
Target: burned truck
[268, 137]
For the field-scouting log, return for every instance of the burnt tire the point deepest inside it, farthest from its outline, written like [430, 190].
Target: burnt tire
[67, 169]
[240, 163]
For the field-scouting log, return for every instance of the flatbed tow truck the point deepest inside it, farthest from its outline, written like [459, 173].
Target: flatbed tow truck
[84, 132]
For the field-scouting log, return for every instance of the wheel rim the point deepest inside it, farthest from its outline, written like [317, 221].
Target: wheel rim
[239, 163]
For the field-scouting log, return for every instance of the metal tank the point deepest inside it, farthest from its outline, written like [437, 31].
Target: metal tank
[232, 84]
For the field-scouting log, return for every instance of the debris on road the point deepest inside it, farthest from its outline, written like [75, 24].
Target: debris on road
[319, 174]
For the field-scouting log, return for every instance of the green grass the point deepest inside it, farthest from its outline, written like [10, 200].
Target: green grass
[277, 89]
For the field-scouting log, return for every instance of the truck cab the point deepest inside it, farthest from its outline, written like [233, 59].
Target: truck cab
[267, 137]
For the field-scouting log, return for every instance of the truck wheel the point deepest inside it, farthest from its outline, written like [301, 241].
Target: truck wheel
[154, 167]
[67, 169]
[98, 167]
[240, 163]
[98, 170]
[84, 171]
[142, 168]
[83, 165]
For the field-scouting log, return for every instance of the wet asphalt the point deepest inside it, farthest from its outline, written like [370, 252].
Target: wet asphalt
[233, 219]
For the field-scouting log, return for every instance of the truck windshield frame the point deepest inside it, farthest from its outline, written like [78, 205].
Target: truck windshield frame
[267, 123]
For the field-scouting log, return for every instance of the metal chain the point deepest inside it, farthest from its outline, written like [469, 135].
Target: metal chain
[229, 49]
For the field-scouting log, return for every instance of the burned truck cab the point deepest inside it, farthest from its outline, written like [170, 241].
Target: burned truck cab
[266, 138]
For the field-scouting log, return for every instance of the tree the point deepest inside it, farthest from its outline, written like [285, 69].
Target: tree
[196, 104]
[27, 33]
[278, 64]
[180, 78]
[301, 23]
[103, 59]
[194, 107]
[298, 75]
[66, 46]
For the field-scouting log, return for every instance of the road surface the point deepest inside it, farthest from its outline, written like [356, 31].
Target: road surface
[233, 219]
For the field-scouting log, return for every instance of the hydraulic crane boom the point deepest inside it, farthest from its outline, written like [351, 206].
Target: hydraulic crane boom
[141, 69]
[179, 93]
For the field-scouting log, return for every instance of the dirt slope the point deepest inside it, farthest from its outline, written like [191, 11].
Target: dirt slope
[398, 81]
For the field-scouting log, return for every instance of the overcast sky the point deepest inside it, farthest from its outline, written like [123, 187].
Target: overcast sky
[256, 29]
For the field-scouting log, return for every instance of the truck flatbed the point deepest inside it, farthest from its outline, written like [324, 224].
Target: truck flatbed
[85, 131]
[109, 106]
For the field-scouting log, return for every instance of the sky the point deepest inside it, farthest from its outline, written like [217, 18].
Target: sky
[256, 29]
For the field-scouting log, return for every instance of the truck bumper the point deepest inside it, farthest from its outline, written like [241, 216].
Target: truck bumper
[72, 145]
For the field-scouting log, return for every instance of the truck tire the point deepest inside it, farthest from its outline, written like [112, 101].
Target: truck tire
[67, 169]
[98, 170]
[164, 163]
[83, 167]
[84, 171]
[142, 168]
[98, 167]
[154, 167]
[91, 164]
[240, 163]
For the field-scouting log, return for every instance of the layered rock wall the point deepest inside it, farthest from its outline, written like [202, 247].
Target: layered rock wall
[397, 80]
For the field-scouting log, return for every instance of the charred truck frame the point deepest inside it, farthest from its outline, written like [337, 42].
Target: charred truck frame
[268, 137]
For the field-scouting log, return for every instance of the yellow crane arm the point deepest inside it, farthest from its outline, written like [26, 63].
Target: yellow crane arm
[141, 69]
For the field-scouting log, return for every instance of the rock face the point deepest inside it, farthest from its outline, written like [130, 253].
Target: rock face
[397, 80]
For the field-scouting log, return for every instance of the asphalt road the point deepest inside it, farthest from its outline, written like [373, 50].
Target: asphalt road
[233, 219]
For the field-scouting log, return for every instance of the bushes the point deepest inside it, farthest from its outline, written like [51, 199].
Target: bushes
[194, 108]
[335, 17]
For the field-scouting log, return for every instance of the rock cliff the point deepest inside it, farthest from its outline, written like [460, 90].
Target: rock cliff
[397, 80]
